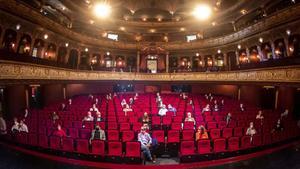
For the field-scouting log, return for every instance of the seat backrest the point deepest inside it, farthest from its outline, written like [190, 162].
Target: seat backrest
[68, 144]
[124, 126]
[113, 135]
[227, 132]
[98, 147]
[245, 142]
[159, 135]
[43, 140]
[219, 145]
[82, 146]
[73, 132]
[215, 133]
[204, 146]
[133, 149]
[85, 133]
[238, 132]
[187, 148]
[188, 135]
[173, 136]
[112, 126]
[114, 148]
[127, 135]
[55, 142]
[233, 143]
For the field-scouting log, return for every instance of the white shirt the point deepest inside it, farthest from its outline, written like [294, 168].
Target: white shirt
[88, 118]
[2, 125]
[23, 128]
[162, 111]
[251, 131]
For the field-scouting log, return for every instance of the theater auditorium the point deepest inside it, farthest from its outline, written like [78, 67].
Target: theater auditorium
[151, 84]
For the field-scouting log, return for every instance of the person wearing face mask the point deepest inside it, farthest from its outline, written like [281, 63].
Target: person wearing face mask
[145, 139]
[98, 134]
[251, 131]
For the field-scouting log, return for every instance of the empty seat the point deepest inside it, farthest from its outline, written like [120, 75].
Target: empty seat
[43, 140]
[112, 126]
[127, 135]
[32, 139]
[113, 135]
[204, 147]
[84, 133]
[233, 143]
[173, 136]
[188, 126]
[187, 148]
[124, 126]
[188, 135]
[82, 146]
[211, 125]
[98, 147]
[133, 150]
[245, 142]
[215, 133]
[73, 132]
[219, 145]
[227, 132]
[55, 142]
[222, 124]
[176, 126]
[68, 144]
[136, 127]
[257, 141]
[238, 132]
[159, 135]
[114, 149]
[166, 121]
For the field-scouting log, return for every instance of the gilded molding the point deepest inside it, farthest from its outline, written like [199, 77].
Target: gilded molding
[20, 71]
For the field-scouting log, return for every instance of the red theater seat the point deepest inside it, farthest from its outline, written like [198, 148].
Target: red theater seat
[43, 141]
[113, 135]
[98, 147]
[176, 126]
[133, 150]
[227, 132]
[257, 141]
[187, 148]
[219, 145]
[68, 144]
[82, 146]
[159, 135]
[238, 132]
[188, 135]
[211, 125]
[173, 136]
[124, 126]
[233, 143]
[127, 135]
[215, 133]
[84, 133]
[55, 142]
[245, 142]
[114, 149]
[73, 132]
[204, 147]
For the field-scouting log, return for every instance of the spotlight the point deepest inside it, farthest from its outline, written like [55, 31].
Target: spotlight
[66, 44]
[239, 46]
[107, 53]
[261, 40]
[45, 36]
[219, 51]
[152, 30]
[122, 28]
[197, 54]
[288, 32]
[182, 29]
[202, 12]
[86, 49]
[18, 26]
[102, 10]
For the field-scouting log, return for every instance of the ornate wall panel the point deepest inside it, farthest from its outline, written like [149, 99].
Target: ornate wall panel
[18, 71]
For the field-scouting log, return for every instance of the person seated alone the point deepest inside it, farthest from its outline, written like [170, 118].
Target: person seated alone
[260, 117]
[145, 118]
[23, 127]
[59, 132]
[206, 108]
[189, 118]
[54, 117]
[251, 131]
[98, 117]
[97, 134]
[216, 107]
[278, 127]
[162, 111]
[136, 96]
[284, 114]
[26, 113]
[15, 127]
[2, 125]
[63, 107]
[69, 102]
[228, 118]
[201, 133]
[131, 101]
[123, 103]
[172, 109]
[242, 108]
[127, 109]
[145, 139]
[94, 108]
[88, 117]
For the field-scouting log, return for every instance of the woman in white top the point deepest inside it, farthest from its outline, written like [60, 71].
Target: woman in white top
[23, 127]
[88, 117]
[2, 126]
[251, 131]
[260, 116]
[189, 118]
[206, 108]
[163, 110]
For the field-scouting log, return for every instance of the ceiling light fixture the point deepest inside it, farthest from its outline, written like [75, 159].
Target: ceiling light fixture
[45, 36]
[219, 51]
[66, 44]
[18, 26]
[197, 54]
[288, 32]
[102, 10]
[182, 29]
[239, 46]
[122, 28]
[261, 40]
[86, 49]
[243, 11]
[152, 30]
[202, 12]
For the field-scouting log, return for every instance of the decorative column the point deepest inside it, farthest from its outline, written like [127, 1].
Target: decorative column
[248, 54]
[27, 96]
[167, 62]
[225, 61]
[239, 93]
[286, 42]
[276, 99]
[273, 49]
[64, 92]
[260, 54]
[67, 55]
[138, 61]
[237, 57]
[78, 58]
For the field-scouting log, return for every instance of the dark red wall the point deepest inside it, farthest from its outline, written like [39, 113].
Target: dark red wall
[286, 98]
[52, 93]
[251, 94]
[76, 89]
[226, 90]
[16, 100]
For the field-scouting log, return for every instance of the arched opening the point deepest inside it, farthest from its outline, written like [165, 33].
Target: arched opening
[62, 53]
[131, 63]
[185, 64]
[73, 59]
[232, 59]
[38, 48]
[50, 52]
[208, 62]
[196, 63]
[24, 44]
[294, 45]
[254, 55]
[108, 63]
[95, 61]
[219, 63]
[243, 59]
[266, 51]
[280, 49]
[10, 40]
[120, 63]
[84, 60]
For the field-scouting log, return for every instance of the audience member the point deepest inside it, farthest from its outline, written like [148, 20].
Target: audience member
[98, 117]
[145, 118]
[69, 102]
[59, 132]
[284, 114]
[23, 127]
[206, 108]
[54, 117]
[136, 96]
[2, 125]
[63, 107]
[123, 102]
[127, 109]
[216, 108]
[131, 101]
[88, 117]
[94, 108]
[201, 133]
[242, 107]
[260, 117]
[15, 127]
[97, 134]
[189, 118]
[26, 113]
[172, 109]
[278, 127]
[163, 110]
[228, 118]
[251, 131]
[146, 142]
[96, 101]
